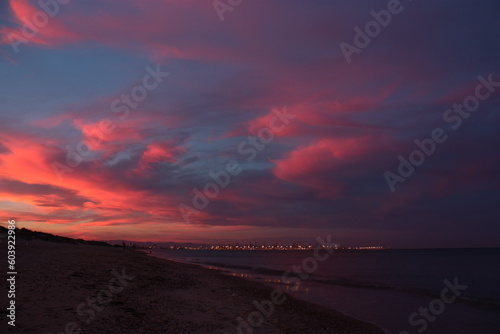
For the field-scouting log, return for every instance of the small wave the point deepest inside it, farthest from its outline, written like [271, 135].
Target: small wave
[490, 303]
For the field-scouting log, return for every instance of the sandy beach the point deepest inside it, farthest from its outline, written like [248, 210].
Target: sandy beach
[64, 288]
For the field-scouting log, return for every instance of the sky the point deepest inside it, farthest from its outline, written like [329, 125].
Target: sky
[374, 122]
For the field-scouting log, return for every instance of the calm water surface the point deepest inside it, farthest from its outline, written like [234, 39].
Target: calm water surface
[384, 287]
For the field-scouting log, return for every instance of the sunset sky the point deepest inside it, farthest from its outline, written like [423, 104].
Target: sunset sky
[93, 79]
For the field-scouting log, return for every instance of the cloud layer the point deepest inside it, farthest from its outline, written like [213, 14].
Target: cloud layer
[87, 149]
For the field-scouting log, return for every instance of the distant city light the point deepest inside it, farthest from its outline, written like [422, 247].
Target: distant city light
[255, 247]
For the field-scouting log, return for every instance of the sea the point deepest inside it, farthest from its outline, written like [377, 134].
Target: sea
[432, 291]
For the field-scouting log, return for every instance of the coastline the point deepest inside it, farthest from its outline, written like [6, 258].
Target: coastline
[67, 288]
[264, 280]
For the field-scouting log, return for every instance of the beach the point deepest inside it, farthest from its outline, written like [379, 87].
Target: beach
[383, 287]
[66, 288]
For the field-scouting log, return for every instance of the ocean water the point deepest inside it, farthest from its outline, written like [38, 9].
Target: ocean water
[384, 287]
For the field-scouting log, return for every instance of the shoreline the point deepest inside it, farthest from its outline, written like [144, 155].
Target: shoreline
[263, 281]
[65, 288]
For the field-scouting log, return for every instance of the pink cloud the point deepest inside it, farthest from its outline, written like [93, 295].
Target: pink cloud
[160, 151]
[309, 166]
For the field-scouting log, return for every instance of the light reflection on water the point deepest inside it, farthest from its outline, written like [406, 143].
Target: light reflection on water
[274, 282]
[348, 281]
